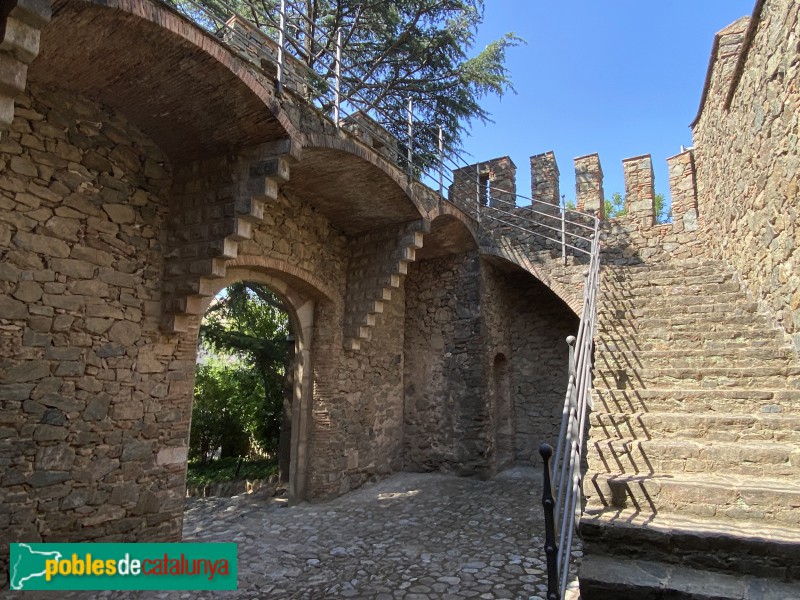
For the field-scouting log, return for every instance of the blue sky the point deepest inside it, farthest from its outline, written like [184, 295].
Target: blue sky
[618, 77]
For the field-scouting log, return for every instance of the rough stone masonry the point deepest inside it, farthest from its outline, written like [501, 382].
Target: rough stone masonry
[131, 192]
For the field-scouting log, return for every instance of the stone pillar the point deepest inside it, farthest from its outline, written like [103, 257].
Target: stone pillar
[640, 194]
[683, 188]
[463, 190]
[498, 175]
[502, 182]
[589, 185]
[544, 179]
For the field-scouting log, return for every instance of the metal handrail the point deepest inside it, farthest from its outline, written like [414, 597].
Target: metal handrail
[417, 165]
[569, 449]
[532, 232]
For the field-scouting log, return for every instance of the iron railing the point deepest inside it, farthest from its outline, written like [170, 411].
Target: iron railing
[567, 463]
[266, 41]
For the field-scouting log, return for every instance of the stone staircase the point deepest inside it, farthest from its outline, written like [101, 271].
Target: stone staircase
[371, 278]
[693, 486]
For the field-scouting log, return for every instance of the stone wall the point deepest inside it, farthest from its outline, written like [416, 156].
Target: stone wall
[497, 374]
[539, 329]
[748, 158]
[96, 398]
[485, 366]
[442, 349]
[91, 390]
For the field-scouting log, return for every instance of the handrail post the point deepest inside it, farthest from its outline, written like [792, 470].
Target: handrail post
[441, 162]
[338, 99]
[410, 140]
[565, 417]
[550, 548]
[281, 44]
[563, 231]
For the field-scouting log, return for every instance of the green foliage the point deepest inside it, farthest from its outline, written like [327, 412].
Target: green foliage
[392, 51]
[239, 390]
[228, 400]
[662, 212]
[616, 208]
[224, 469]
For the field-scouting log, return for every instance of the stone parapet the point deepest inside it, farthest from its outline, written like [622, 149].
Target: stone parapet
[491, 182]
[589, 185]
[639, 191]
[544, 179]
[262, 50]
[683, 189]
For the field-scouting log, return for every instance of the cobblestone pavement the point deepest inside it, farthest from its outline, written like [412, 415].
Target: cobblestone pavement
[410, 537]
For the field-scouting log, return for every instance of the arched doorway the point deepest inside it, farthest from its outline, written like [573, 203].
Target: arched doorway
[244, 389]
[303, 296]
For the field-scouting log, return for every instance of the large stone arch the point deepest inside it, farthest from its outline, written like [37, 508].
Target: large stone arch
[217, 102]
[356, 188]
[566, 282]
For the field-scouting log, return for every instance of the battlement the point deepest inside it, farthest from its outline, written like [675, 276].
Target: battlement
[493, 183]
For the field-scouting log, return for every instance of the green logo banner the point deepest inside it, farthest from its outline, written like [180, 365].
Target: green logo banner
[90, 566]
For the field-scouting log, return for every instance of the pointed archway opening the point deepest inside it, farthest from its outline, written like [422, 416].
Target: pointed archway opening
[240, 435]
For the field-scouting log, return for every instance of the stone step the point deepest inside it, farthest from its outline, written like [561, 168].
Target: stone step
[611, 357]
[698, 401]
[668, 269]
[620, 292]
[672, 266]
[717, 377]
[719, 426]
[613, 578]
[682, 322]
[678, 340]
[250, 208]
[630, 456]
[610, 302]
[714, 310]
[726, 498]
[645, 278]
[755, 549]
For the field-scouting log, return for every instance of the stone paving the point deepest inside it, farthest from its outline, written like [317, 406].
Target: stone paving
[410, 537]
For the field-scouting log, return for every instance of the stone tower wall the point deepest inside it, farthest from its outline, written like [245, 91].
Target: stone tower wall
[748, 157]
